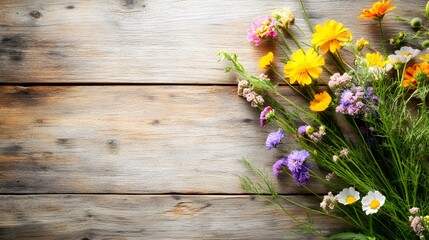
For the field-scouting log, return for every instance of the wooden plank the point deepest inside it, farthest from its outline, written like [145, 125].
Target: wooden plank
[152, 217]
[151, 41]
[131, 139]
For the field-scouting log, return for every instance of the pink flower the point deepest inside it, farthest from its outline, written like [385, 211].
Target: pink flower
[417, 226]
[414, 210]
[328, 203]
[261, 29]
[265, 116]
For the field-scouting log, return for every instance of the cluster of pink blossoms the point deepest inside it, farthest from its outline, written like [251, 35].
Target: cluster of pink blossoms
[262, 29]
[418, 223]
[328, 203]
[246, 91]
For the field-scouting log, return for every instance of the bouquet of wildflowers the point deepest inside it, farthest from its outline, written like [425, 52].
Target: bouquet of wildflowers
[367, 128]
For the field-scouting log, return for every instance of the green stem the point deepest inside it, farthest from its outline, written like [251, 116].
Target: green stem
[306, 16]
[283, 38]
[283, 50]
[303, 33]
[290, 85]
[370, 225]
[383, 46]
[294, 39]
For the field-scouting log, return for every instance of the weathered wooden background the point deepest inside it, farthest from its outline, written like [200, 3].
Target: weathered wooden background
[117, 121]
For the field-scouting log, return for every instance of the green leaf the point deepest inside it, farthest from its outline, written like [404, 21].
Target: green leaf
[349, 236]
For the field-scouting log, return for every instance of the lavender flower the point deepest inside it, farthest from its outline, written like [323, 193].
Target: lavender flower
[277, 166]
[357, 102]
[274, 139]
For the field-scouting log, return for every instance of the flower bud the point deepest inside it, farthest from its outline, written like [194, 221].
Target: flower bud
[427, 10]
[425, 43]
[309, 130]
[416, 22]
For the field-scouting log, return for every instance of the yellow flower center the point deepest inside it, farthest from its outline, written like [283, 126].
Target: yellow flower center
[406, 54]
[374, 204]
[350, 199]
[262, 31]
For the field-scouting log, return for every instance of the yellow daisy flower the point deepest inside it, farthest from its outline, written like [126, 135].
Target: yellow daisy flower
[321, 102]
[375, 60]
[377, 10]
[361, 43]
[331, 36]
[266, 61]
[304, 66]
[425, 58]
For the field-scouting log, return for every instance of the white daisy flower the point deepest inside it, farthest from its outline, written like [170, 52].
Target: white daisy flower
[397, 59]
[348, 196]
[372, 202]
[407, 52]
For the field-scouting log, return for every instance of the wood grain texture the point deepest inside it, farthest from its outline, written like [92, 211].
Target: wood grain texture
[120, 162]
[152, 217]
[131, 139]
[152, 41]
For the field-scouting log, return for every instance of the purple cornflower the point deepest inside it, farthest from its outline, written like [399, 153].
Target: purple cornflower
[298, 167]
[277, 166]
[296, 159]
[302, 176]
[274, 139]
[302, 129]
[261, 29]
[266, 114]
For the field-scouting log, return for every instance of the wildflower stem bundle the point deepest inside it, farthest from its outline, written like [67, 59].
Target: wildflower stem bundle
[377, 167]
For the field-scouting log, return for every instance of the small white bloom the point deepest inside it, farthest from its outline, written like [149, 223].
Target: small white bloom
[263, 77]
[335, 158]
[397, 59]
[284, 17]
[348, 196]
[329, 176]
[372, 202]
[328, 203]
[414, 210]
[344, 152]
[407, 52]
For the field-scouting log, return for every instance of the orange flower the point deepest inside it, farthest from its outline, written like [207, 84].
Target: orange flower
[321, 102]
[377, 10]
[414, 73]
